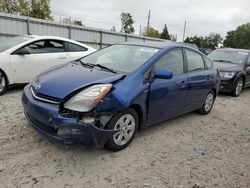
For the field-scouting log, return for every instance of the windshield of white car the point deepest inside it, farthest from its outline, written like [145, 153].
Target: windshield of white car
[120, 58]
[229, 56]
[12, 42]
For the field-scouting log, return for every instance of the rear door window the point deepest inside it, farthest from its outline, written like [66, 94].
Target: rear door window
[195, 61]
[45, 46]
[70, 47]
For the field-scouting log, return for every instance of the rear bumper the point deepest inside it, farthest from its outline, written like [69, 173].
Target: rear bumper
[44, 118]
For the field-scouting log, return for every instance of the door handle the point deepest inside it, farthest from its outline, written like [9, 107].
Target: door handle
[183, 84]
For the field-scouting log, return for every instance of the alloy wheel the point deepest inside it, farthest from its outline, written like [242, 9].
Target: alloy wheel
[239, 87]
[209, 102]
[126, 127]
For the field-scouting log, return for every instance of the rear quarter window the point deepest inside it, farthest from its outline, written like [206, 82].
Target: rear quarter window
[70, 47]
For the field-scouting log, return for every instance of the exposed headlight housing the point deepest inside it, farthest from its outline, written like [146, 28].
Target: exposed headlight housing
[88, 98]
[227, 74]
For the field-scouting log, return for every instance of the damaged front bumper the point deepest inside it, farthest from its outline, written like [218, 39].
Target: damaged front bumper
[45, 118]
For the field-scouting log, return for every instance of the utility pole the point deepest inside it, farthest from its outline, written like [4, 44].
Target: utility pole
[148, 25]
[184, 32]
[140, 31]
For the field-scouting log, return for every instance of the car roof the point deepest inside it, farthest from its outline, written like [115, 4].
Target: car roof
[234, 49]
[56, 38]
[159, 44]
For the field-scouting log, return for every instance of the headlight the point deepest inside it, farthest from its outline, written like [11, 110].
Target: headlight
[227, 74]
[88, 98]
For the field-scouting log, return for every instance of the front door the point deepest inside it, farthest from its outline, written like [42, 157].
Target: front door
[42, 55]
[167, 97]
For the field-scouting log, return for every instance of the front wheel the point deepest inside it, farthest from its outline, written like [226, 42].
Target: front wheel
[238, 87]
[126, 124]
[208, 104]
[3, 83]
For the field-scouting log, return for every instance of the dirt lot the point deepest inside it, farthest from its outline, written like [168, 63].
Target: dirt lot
[189, 151]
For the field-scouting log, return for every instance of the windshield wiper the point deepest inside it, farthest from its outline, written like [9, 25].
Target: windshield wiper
[91, 65]
[221, 60]
[86, 64]
[104, 67]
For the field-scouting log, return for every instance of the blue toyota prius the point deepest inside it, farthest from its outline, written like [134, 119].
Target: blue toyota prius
[104, 98]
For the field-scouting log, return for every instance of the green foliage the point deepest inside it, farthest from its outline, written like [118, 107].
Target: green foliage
[151, 32]
[40, 9]
[22, 7]
[127, 23]
[8, 6]
[165, 34]
[33, 8]
[239, 38]
[70, 21]
[211, 41]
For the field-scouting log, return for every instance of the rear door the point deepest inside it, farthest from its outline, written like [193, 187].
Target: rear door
[199, 80]
[43, 54]
[167, 97]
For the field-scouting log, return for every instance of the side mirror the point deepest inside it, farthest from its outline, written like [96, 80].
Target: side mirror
[22, 51]
[163, 74]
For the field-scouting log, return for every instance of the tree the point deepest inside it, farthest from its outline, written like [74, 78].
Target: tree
[34, 8]
[199, 41]
[127, 23]
[23, 7]
[211, 41]
[70, 21]
[238, 38]
[229, 40]
[151, 32]
[40, 9]
[8, 6]
[165, 34]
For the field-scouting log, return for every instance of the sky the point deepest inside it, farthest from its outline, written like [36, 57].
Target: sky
[202, 16]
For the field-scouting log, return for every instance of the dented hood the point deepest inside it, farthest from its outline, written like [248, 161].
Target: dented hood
[64, 79]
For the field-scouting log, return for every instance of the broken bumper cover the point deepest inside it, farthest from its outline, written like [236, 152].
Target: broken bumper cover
[45, 119]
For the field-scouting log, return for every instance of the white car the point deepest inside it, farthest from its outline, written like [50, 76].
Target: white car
[23, 57]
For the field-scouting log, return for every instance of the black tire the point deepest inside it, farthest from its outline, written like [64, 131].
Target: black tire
[204, 109]
[4, 81]
[111, 144]
[237, 91]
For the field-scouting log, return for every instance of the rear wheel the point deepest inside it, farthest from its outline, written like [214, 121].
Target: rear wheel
[238, 87]
[126, 123]
[208, 104]
[3, 83]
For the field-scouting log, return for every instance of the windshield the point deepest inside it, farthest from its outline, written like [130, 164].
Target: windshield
[121, 58]
[237, 57]
[12, 42]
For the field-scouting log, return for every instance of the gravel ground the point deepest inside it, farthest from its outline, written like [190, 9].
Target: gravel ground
[189, 151]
